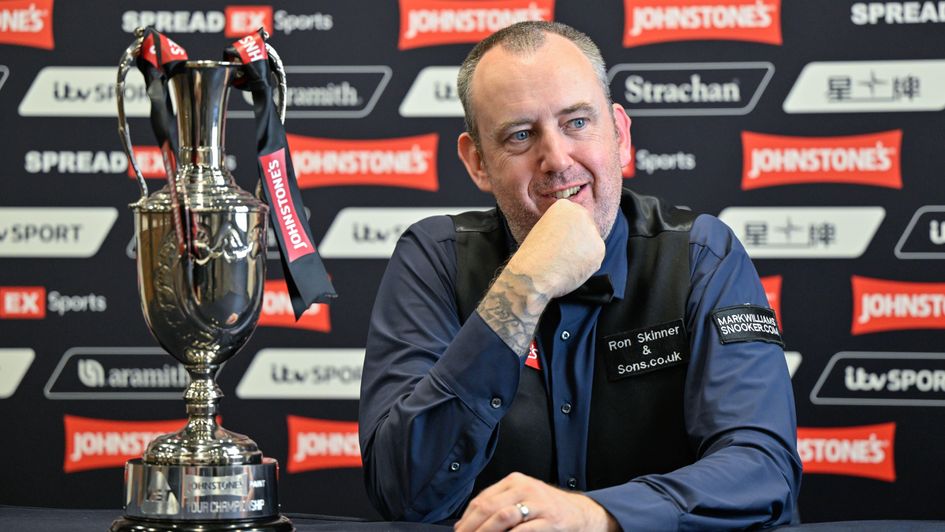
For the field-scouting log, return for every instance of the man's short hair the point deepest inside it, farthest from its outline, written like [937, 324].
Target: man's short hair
[522, 38]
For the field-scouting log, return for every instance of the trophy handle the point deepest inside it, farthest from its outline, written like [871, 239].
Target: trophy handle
[276, 63]
[124, 132]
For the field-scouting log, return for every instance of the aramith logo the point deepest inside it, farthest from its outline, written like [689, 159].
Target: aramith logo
[54, 231]
[689, 89]
[804, 232]
[882, 379]
[322, 444]
[103, 443]
[408, 162]
[774, 160]
[117, 373]
[435, 22]
[27, 23]
[326, 92]
[372, 232]
[924, 237]
[869, 87]
[881, 305]
[865, 451]
[655, 21]
[303, 374]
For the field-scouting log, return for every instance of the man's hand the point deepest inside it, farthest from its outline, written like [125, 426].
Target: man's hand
[560, 252]
[549, 508]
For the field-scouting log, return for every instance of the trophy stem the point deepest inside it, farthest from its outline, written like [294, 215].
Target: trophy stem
[203, 395]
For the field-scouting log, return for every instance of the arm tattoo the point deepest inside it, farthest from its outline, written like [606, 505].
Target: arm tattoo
[512, 307]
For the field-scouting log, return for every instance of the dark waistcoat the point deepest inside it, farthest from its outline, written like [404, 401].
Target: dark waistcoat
[636, 422]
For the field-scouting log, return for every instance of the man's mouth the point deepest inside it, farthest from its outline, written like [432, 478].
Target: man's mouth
[567, 193]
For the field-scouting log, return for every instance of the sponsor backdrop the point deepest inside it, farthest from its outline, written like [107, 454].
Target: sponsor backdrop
[814, 129]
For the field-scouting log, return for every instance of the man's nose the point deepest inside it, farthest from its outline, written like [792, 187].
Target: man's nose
[555, 152]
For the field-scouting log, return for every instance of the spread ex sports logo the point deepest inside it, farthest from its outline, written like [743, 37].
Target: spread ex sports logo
[435, 22]
[865, 451]
[655, 21]
[27, 23]
[23, 302]
[241, 20]
[881, 305]
[408, 162]
[322, 444]
[103, 443]
[773, 160]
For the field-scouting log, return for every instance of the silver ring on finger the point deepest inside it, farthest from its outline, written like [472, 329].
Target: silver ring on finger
[522, 509]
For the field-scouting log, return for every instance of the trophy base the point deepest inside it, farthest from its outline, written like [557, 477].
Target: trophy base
[129, 524]
[201, 498]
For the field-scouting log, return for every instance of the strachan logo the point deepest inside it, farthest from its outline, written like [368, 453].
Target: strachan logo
[869, 87]
[54, 231]
[774, 160]
[924, 237]
[689, 89]
[27, 23]
[655, 21]
[804, 232]
[864, 451]
[882, 379]
[322, 444]
[303, 374]
[435, 22]
[117, 373]
[104, 443]
[882, 305]
[277, 310]
[372, 232]
[408, 162]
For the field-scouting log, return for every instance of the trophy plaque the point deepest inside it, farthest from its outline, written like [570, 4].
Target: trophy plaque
[201, 261]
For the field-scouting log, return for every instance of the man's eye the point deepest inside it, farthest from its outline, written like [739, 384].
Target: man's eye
[579, 123]
[520, 135]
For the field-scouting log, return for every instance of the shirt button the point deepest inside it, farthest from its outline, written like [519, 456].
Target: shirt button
[572, 483]
[454, 466]
[496, 402]
[566, 408]
[565, 335]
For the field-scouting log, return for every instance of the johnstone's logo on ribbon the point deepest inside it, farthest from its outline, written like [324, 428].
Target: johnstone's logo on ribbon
[436, 22]
[773, 160]
[864, 451]
[656, 21]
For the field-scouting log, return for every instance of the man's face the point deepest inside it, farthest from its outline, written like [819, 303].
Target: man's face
[546, 132]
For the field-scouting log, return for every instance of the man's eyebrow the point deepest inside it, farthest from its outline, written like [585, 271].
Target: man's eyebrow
[580, 107]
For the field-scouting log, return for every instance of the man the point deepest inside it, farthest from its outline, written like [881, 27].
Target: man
[583, 358]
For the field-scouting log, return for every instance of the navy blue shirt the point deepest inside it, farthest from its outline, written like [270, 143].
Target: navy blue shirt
[433, 392]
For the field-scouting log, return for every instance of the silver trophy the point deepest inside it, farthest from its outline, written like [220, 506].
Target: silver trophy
[201, 268]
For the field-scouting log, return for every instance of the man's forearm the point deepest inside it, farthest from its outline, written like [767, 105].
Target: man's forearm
[512, 307]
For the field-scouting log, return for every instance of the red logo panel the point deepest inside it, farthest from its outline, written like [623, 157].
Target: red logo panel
[865, 451]
[655, 21]
[241, 20]
[881, 305]
[322, 444]
[434, 22]
[103, 443]
[277, 310]
[22, 302]
[27, 23]
[772, 287]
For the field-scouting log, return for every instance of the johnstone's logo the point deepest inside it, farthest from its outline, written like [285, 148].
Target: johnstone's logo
[881, 305]
[882, 379]
[32, 302]
[322, 444]
[303, 374]
[862, 13]
[804, 232]
[689, 89]
[372, 232]
[435, 22]
[234, 21]
[864, 451]
[869, 87]
[54, 231]
[27, 23]
[408, 162]
[773, 160]
[326, 92]
[277, 310]
[105, 443]
[117, 373]
[654, 21]
[772, 288]
[924, 237]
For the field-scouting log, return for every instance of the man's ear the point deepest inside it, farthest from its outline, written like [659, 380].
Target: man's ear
[472, 159]
[622, 123]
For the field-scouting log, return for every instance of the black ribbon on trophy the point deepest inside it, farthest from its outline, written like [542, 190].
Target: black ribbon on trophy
[305, 275]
